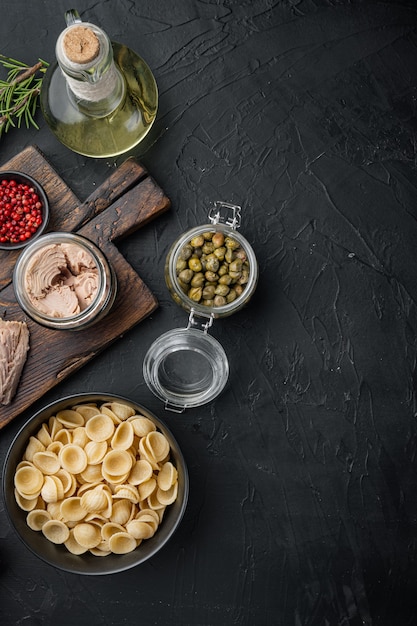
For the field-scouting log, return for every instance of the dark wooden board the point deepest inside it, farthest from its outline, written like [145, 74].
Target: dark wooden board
[127, 200]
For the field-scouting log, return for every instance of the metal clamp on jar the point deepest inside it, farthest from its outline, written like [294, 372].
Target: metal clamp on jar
[211, 271]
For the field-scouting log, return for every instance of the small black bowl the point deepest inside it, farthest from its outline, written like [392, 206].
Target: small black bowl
[57, 555]
[25, 179]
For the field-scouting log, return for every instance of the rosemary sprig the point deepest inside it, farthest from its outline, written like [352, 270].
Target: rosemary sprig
[19, 92]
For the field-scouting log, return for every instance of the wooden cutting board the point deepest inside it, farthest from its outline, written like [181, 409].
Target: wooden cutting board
[127, 200]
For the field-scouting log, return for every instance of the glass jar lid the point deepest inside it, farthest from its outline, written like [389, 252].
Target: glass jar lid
[186, 367]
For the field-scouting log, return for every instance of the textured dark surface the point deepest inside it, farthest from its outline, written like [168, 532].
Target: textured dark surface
[303, 474]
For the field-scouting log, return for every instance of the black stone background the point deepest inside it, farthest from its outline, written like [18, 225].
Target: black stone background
[303, 502]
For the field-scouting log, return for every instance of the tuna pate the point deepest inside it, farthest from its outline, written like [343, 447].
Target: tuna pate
[61, 280]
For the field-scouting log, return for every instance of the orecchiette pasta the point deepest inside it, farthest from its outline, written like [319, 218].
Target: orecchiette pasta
[96, 479]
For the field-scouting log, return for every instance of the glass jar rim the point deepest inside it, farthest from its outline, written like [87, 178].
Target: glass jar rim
[196, 388]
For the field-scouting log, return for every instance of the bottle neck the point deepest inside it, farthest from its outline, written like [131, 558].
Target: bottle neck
[95, 85]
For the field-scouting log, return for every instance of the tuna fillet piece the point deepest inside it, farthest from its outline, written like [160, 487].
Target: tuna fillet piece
[14, 345]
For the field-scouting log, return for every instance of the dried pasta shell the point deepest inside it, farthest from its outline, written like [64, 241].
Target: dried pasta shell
[153, 503]
[70, 418]
[141, 471]
[123, 411]
[47, 462]
[91, 474]
[94, 500]
[146, 489]
[34, 446]
[139, 529]
[110, 528]
[142, 425]
[72, 510]
[100, 427]
[148, 515]
[87, 535]
[73, 546]
[43, 435]
[54, 426]
[117, 463]
[95, 451]
[105, 408]
[122, 543]
[128, 492]
[79, 436]
[52, 489]
[54, 509]
[168, 496]
[55, 447]
[56, 531]
[158, 445]
[28, 481]
[167, 476]
[123, 436]
[146, 454]
[87, 410]
[73, 458]
[123, 511]
[26, 504]
[37, 518]
[102, 549]
[68, 481]
[64, 436]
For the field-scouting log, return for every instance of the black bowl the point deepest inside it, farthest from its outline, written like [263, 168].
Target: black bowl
[57, 555]
[20, 177]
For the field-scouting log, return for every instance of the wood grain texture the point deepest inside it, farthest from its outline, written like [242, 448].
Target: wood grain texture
[127, 200]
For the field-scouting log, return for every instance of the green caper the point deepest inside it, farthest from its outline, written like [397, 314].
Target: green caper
[222, 290]
[186, 275]
[220, 252]
[212, 263]
[195, 293]
[235, 276]
[231, 243]
[212, 277]
[241, 254]
[239, 289]
[236, 265]
[185, 252]
[226, 279]
[209, 302]
[181, 265]
[197, 280]
[195, 264]
[208, 247]
[229, 256]
[209, 292]
[218, 240]
[183, 286]
[244, 277]
[197, 241]
[231, 296]
[219, 301]
[208, 235]
[223, 269]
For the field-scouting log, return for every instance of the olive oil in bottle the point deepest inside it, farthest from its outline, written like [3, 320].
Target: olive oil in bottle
[100, 98]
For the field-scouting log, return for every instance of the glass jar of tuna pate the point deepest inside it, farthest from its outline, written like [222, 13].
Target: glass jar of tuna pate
[63, 281]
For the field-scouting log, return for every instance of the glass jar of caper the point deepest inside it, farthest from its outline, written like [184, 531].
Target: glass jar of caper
[212, 269]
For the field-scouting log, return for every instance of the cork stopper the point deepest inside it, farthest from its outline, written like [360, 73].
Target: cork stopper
[81, 45]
